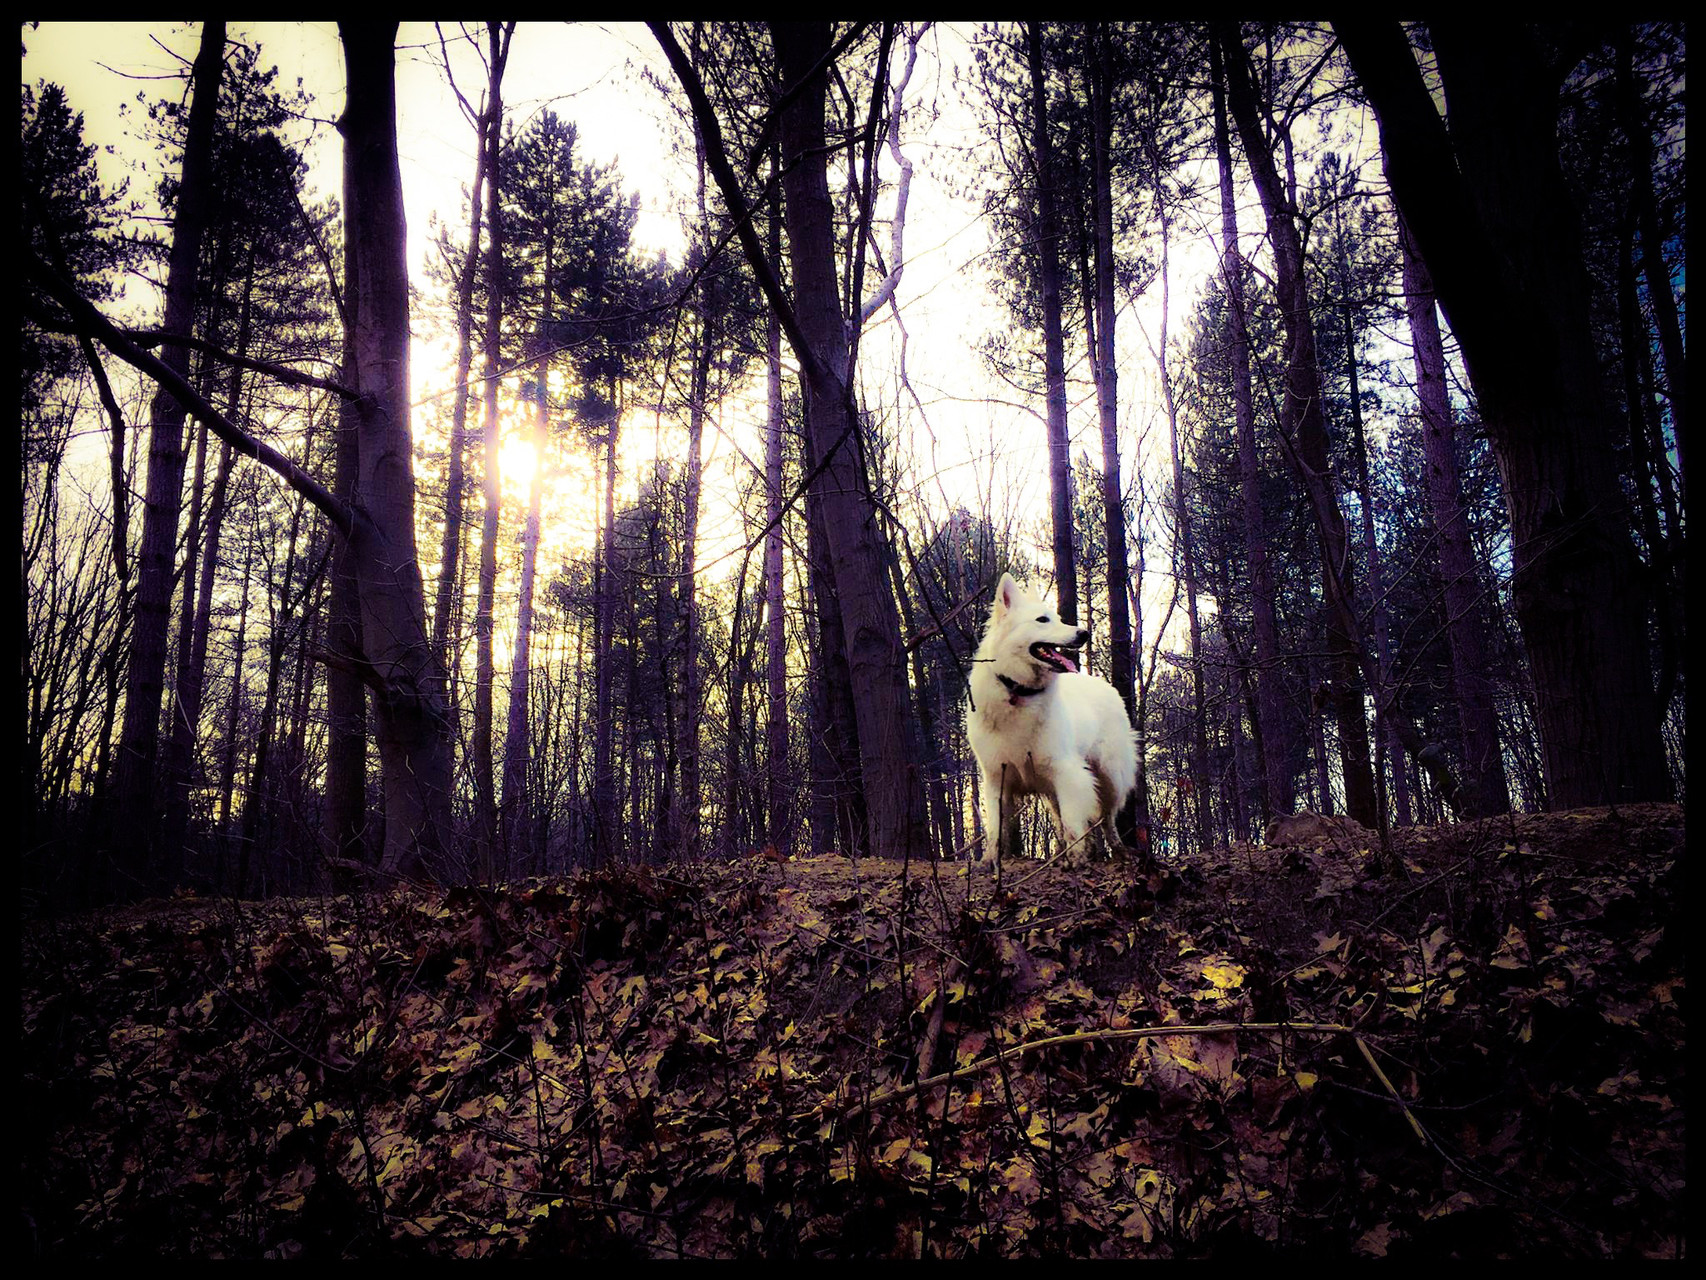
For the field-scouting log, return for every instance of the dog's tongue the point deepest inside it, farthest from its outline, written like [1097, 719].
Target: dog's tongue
[1066, 658]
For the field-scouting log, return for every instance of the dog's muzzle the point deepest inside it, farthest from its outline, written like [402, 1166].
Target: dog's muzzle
[1061, 657]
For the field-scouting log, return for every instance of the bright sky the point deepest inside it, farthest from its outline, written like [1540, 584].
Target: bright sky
[588, 72]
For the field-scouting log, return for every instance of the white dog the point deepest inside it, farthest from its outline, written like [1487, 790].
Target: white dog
[1040, 726]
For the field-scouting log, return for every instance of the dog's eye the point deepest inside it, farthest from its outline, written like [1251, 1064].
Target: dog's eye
[1043, 618]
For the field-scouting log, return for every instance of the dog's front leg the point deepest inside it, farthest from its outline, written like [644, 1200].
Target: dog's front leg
[1076, 807]
[994, 804]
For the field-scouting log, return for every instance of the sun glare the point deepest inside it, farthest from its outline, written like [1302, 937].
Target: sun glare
[519, 459]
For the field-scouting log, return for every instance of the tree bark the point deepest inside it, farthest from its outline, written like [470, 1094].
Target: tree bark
[1303, 427]
[1047, 233]
[136, 819]
[605, 835]
[346, 826]
[688, 729]
[480, 762]
[455, 478]
[1668, 322]
[414, 727]
[1376, 594]
[1268, 715]
[893, 788]
[198, 604]
[1477, 718]
[779, 809]
[1121, 670]
[1492, 216]
[1185, 563]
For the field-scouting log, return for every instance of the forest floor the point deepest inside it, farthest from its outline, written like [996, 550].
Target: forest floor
[1479, 1054]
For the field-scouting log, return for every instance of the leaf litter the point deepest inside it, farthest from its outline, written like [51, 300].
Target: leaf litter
[1478, 1055]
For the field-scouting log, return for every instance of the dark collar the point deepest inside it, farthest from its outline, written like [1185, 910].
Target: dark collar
[1017, 690]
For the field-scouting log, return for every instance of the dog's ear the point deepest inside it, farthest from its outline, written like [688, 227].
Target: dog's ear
[1006, 593]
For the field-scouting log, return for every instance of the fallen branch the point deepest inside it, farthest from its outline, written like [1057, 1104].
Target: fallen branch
[1111, 1033]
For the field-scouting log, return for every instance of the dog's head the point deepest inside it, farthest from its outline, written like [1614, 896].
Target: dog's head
[1026, 628]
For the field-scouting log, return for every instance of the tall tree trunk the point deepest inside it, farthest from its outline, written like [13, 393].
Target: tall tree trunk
[1376, 593]
[1269, 716]
[1659, 289]
[1144, 820]
[734, 837]
[182, 723]
[228, 769]
[687, 750]
[1494, 221]
[1047, 235]
[518, 816]
[1472, 687]
[1652, 474]
[112, 662]
[346, 826]
[414, 726]
[455, 480]
[779, 808]
[135, 817]
[1304, 428]
[1121, 670]
[935, 794]
[480, 743]
[838, 806]
[892, 786]
[284, 614]
[198, 604]
[1185, 559]
[603, 764]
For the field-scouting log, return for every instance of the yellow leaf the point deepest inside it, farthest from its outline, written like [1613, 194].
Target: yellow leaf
[1224, 974]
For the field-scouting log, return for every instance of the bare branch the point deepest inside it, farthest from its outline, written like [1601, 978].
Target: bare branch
[90, 320]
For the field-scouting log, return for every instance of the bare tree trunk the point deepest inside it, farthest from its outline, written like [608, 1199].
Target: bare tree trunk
[455, 481]
[1659, 289]
[838, 807]
[518, 816]
[1652, 470]
[135, 817]
[112, 664]
[1494, 221]
[346, 825]
[285, 611]
[1054, 349]
[1185, 558]
[691, 698]
[779, 807]
[1304, 429]
[414, 727]
[1145, 817]
[480, 744]
[1121, 668]
[733, 836]
[603, 765]
[228, 770]
[893, 789]
[1472, 688]
[1376, 594]
[935, 796]
[198, 604]
[1268, 715]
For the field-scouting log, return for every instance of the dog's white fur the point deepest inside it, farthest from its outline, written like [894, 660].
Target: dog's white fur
[1049, 729]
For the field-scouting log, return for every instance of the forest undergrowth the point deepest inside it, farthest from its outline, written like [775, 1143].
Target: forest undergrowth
[1478, 1054]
